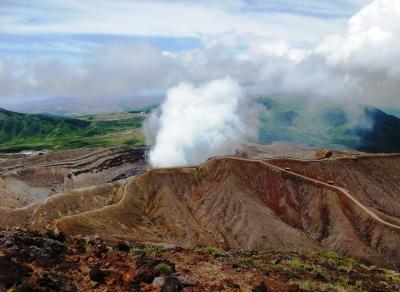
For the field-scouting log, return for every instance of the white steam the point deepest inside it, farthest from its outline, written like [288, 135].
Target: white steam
[196, 123]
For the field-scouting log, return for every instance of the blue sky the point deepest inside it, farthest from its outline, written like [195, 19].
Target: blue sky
[68, 28]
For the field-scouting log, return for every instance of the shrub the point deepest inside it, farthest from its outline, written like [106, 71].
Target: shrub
[209, 250]
[245, 262]
[163, 269]
[150, 251]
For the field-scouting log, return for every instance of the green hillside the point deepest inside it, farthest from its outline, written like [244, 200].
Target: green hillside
[384, 136]
[36, 132]
[330, 126]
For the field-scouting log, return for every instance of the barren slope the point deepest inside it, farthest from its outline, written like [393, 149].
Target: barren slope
[28, 180]
[236, 203]
[228, 202]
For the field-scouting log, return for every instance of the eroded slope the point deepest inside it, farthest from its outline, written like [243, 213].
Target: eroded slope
[236, 203]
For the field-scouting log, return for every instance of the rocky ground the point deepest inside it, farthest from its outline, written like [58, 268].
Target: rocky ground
[49, 261]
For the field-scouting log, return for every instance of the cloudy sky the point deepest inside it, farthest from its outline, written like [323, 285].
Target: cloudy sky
[73, 27]
[98, 49]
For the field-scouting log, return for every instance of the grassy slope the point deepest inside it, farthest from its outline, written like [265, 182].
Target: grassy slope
[328, 127]
[35, 132]
[384, 135]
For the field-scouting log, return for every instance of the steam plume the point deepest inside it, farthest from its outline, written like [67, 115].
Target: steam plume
[196, 123]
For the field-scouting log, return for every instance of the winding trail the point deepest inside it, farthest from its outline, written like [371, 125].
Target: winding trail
[335, 188]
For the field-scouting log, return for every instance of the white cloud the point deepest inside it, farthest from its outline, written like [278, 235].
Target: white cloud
[361, 64]
[170, 18]
[369, 52]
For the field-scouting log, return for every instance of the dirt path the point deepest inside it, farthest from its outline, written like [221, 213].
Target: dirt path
[336, 188]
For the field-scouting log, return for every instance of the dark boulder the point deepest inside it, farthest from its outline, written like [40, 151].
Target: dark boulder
[144, 275]
[55, 234]
[55, 282]
[96, 274]
[172, 284]
[262, 287]
[123, 245]
[100, 249]
[11, 273]
[31, 246]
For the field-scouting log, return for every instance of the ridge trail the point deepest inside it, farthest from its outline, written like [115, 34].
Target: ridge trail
[336, 188]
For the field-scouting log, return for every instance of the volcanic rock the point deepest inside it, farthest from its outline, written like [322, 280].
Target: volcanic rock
[172, 284]
[11, 273]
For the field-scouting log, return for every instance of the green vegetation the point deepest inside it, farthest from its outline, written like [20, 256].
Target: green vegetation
[326, 271]
[328, 126]
[209, 250]
[150, 251]
[163, 269]
[37, 132]
[245, 262]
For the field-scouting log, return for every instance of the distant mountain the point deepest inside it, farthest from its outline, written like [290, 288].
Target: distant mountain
[384, 136]
[14, 126]
[329, 126]
[332, 126]
[20, 131]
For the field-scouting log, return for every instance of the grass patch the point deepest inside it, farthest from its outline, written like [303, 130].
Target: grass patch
[150, 251]
[391, 276]
[209, 250]
[163, 269]
[310, 285]
[335, 259]
[245, 262]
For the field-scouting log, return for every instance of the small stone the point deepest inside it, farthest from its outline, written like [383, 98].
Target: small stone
[186, 281]
[287, 257]
[235, 286]
[275, 261]
[158, 281]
